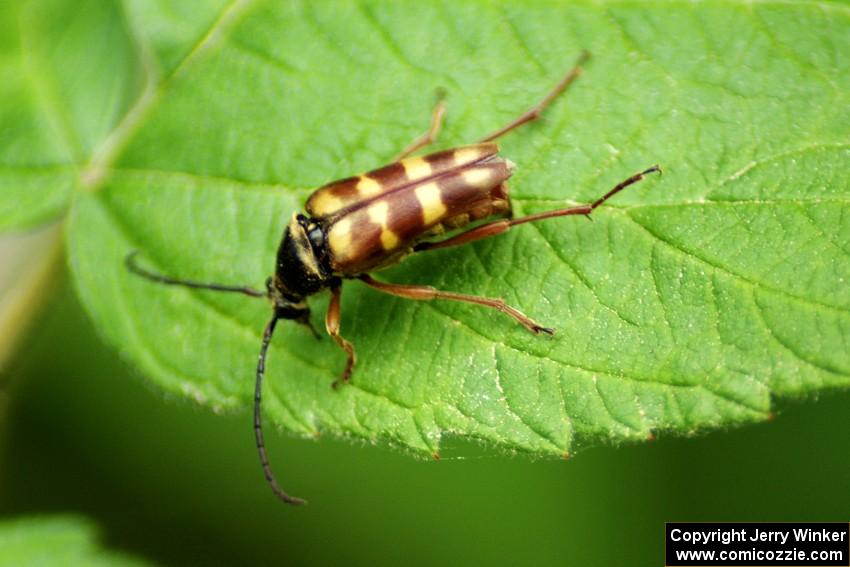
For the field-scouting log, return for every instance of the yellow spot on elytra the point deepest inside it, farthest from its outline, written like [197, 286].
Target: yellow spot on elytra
[324, 203]
[416, 168]
[367, 187]
[339, 238]
[389, 240]
[378, 213]
[431, 202]
[478, 177]
[466, 155]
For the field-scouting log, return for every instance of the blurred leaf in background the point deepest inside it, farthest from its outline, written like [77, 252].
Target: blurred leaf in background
[55, 540]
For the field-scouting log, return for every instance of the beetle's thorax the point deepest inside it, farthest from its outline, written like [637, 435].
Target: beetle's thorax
[302, 260]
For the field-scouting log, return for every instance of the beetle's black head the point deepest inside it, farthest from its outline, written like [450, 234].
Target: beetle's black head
[301, 261]
[287, 307]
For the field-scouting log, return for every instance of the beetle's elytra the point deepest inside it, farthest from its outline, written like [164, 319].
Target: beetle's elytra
[364, 223]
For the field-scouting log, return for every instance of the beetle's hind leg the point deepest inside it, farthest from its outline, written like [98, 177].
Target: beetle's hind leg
[428, 293]
[430, 136]
[501, 226]
[332, 326]
[535, 111]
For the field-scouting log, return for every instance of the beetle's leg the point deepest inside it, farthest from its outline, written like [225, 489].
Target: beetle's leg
[332, 326]
[130, 261]
[500, 226]
[428, 137]
[427, 293]
[534, 112]
[305, 320]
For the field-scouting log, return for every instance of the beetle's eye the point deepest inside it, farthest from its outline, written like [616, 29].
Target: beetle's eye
[316, 236]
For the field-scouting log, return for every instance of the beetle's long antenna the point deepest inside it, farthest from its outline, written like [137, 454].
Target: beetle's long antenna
[130, 261]
[258, 421]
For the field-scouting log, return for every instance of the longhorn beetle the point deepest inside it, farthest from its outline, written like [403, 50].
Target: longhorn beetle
[364, 223]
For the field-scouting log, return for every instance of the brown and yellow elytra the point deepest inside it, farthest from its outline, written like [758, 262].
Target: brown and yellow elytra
[392, 208]
[367, 222]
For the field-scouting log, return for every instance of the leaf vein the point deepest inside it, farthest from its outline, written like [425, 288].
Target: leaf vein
[604, 400]
[788, 347]
[545, 436]
[687, 253]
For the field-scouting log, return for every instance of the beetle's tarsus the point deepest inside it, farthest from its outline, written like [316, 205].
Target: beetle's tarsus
[654, 169]
[345, 378]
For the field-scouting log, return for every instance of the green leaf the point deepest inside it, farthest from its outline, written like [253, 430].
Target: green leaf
[689, 303]
[55, 540]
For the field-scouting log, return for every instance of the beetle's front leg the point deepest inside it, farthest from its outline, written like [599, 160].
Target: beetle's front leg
[427, 293]
[332, 326]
